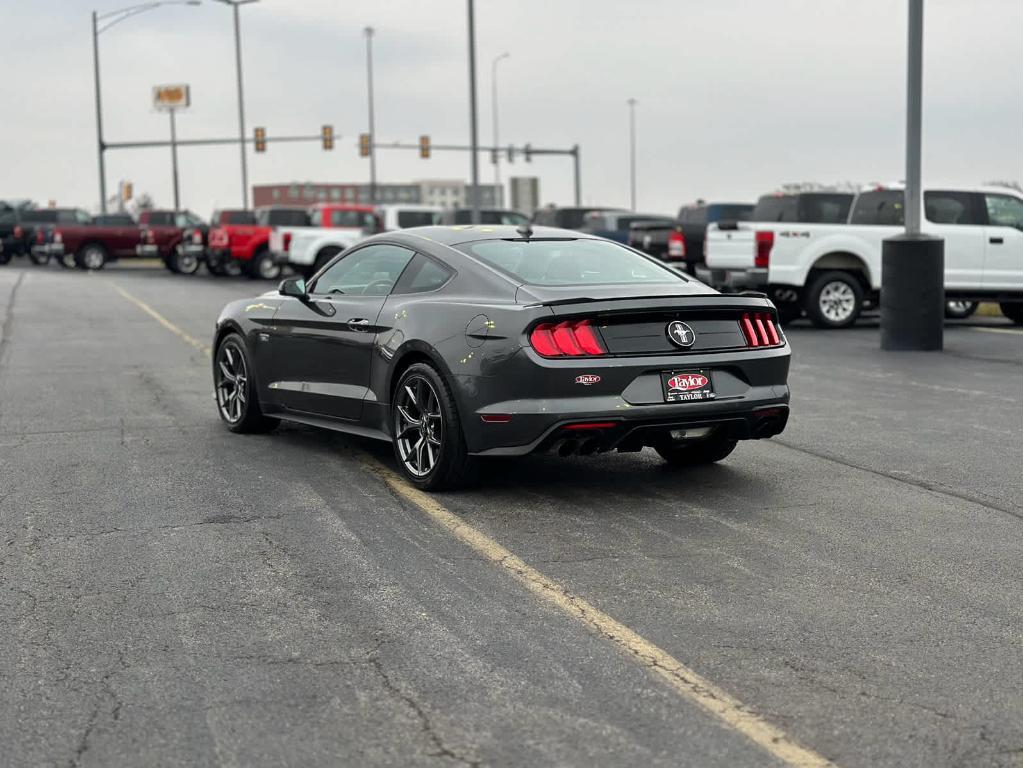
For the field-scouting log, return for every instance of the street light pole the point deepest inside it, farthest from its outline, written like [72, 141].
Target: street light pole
[174, 159]
[99, 116]
[369, 32]
[497, 140]
[114, 17]
[473, 134]
[241, 97]
[632, 153]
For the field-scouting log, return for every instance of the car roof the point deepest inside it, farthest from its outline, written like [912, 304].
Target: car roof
[466, 233]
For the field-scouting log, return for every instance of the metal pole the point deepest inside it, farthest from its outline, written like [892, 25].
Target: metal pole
[174, 160]
[914, 90]
[372, 122]
[497, 140]
[578, 182]
[99, 117]
[241, 106]
[632, 153]
[473, 138]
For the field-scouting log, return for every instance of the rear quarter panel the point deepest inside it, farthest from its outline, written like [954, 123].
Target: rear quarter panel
[798, 247]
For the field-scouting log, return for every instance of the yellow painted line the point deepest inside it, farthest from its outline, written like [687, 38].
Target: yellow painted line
[683, 680]
[186, 337]
[1011, 331]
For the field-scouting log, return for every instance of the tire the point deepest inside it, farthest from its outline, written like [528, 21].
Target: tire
[39, 260]
[1013, 310]
[231, 268]
[5, 256]
[834, 300]
[169, 264]
[262, 266]
[183, 263]
[712, 449]
[234, 388]
[91, 256]
[435, 457]
[960, 310]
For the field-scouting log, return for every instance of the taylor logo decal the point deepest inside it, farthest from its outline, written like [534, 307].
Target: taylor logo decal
[587, 379]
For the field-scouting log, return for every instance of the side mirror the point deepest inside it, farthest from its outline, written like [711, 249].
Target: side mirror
[293, 286]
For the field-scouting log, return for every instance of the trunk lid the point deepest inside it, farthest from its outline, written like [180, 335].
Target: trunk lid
[730, 248]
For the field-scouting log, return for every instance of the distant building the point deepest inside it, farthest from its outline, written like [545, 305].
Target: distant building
[525, 194]
[445, 193]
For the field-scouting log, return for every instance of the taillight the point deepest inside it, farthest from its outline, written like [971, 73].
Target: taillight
[287, 242]
[676, 245]
[196, 237]
[765, 242]
[40, 236]
[760, 330]
[150, 237]
[18, 231]
[571, 338]
[58, 237]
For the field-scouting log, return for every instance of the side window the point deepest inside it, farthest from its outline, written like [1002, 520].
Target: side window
[883, 207]
[370, 271]
[315, 217]
[423, 274]
[1004, 211]
[950, 208]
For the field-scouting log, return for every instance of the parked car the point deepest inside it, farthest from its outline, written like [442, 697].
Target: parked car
[240, 244]
[683, 240]
[830, 269]
[350, 221]
[405, 215]
[597, 348]
[169, 236]
[20, 228]
[616, 225]
[457, 216]
[89, 245]
[570, 217]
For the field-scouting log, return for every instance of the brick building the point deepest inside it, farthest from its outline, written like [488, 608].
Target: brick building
[444, 193]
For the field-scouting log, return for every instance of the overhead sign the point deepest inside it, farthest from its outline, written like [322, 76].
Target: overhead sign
[167, 97]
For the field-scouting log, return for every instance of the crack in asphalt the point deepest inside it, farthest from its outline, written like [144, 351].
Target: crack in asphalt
[914, 482]
[85, 740]
[5, 328]
[428, 728]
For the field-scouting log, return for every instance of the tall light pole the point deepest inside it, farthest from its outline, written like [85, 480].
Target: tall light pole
[632, 153]
[913, 264]
[108, 20]
[497, 140]
[241, 98]
[369, 32]
[473, 134]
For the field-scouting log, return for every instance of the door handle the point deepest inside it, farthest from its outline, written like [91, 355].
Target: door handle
[358, 323]
[996, 240]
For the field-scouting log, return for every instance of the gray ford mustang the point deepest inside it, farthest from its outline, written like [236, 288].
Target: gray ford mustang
[458, 342]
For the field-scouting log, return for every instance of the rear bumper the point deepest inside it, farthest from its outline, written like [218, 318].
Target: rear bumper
[147, 250]
[49, 249]
[751, 402]
[732, 279]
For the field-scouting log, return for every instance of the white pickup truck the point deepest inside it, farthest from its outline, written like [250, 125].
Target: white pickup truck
[830, 270]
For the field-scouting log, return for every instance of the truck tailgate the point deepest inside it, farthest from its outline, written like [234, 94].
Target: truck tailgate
[730, 248]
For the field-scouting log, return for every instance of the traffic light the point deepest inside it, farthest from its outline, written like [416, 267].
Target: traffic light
[364, 141]
[127, 191]
[511, 154]
[424, 147]
[527, 152]
[260, 139]
[327, 132]
[493, 156]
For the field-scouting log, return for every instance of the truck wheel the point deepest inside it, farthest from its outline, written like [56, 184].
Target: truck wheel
[231, 268]
[5, 256]
[1013, 310]
[91, 256]
[960, 310]
[262, 266]
[183, 263]
[169, 264]
[40, 259]
[834, 300]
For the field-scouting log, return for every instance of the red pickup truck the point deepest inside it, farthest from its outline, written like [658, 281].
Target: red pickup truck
[241, 244]
[168, 235]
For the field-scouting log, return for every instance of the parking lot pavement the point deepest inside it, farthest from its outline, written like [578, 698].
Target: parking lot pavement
[175, 594]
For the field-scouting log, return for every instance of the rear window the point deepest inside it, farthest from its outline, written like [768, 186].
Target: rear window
[776, 208]
[39, 216]
[625, 222]
[569, 262]
[408, 219]
[283, 217]
[824, 209]
[883, 207]
[234, 217]
[729, 213]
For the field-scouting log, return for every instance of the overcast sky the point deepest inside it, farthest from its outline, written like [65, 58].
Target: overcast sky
[735, 96]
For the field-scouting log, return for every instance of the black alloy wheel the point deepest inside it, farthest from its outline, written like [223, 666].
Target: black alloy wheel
[428, 441]
[237, 400]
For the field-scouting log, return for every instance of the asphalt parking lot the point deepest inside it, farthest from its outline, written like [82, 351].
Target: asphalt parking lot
[173, 594]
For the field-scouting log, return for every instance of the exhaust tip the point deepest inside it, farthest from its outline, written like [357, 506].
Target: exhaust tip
[568, 447]
[589, 446]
